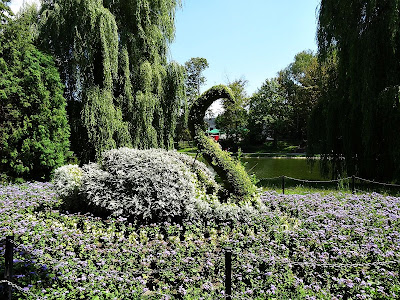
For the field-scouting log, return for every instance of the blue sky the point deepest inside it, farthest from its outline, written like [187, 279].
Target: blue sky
[251, 39]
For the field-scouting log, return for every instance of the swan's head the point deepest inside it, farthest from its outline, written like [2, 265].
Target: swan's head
[203, 102]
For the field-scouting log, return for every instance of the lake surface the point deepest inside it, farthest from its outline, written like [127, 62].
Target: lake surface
[299, 168]
[267, 167]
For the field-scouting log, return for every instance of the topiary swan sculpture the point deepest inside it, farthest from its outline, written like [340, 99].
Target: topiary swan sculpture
[156, 185]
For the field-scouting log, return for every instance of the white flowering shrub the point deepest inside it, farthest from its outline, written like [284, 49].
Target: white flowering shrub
[67, 180]
[144, 185]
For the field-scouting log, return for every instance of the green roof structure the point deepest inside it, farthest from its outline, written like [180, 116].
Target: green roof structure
[214, 131]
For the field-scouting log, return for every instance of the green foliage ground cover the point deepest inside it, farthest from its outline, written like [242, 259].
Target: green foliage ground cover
[79, 256]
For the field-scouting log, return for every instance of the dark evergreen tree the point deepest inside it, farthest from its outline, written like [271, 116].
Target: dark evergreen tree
[5, 12]
[34, 130]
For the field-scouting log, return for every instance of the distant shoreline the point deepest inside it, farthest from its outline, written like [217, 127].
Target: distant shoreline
[273, 155]
[267, 155]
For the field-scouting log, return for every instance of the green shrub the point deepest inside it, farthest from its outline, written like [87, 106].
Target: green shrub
[238, 183]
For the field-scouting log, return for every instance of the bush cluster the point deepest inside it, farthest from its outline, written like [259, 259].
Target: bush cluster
[146, 186]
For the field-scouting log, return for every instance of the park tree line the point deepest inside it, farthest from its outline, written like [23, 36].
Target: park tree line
[278, 111]
[355, 126]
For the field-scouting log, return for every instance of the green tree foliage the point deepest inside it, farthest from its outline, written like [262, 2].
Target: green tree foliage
[5, 12]
[194, 76]
[115, 51]
[367, 40]
[300, 80]
[233, 121]
[174, 94]
[282, 106]
[194, 79]
[269, 112]
[34, 132]
[325, 120]
[97, 113]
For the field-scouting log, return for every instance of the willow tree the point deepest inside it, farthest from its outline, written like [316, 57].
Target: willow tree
[364, 113]
[113, 60]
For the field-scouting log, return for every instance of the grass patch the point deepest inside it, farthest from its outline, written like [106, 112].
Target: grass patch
[189, 149]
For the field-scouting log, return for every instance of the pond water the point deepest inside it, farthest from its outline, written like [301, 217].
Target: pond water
[296, 167]
[299, 168]
[268, 167]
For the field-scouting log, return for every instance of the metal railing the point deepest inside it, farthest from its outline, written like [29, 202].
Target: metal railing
[351, 181]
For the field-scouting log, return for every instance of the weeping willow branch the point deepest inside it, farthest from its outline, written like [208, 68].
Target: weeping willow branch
[114, 55]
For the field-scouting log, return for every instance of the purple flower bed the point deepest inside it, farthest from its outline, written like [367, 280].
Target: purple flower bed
[302, 247]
